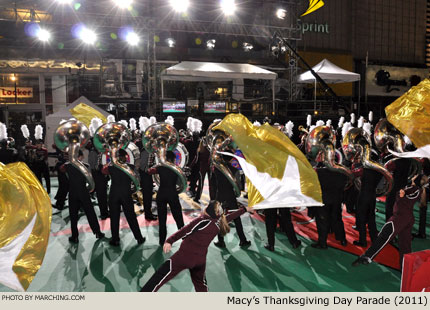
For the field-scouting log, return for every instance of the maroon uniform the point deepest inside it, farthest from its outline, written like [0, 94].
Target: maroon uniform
[197, 236]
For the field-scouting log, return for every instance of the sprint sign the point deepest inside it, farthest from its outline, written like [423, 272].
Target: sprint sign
[21, 92]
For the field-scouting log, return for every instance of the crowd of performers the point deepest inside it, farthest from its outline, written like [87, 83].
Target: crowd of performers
[347, 180]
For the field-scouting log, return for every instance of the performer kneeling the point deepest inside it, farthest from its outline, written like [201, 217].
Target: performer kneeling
[400, 223]
[197, 236]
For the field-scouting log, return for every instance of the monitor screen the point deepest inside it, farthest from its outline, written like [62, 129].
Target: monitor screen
[174, 107]
[214, 107]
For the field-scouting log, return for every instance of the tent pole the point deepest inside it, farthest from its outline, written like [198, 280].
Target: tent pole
[273, 97]
[315, 95]
[162, 88]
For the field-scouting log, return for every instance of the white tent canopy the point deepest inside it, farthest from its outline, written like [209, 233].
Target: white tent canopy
[212, 71]
[330, 73]
[191, 71]
[53, 120]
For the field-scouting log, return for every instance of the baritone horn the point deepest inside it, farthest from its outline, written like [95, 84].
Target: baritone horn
[112, 137]
[319, 146]
[158, 139]
[218, 141]
[70, 137]
[357, 146]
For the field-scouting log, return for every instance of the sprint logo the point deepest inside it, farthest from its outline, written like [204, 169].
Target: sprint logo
[313, 6]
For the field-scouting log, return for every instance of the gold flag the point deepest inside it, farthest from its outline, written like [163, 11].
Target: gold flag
[85, 114]
[410, 114]
[279, 173]
[25, 220]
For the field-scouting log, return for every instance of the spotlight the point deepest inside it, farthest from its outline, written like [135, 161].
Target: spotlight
[247, 46]
[281, 13]
[13, 78]
[43, 35]
[180, 6]
[275, 50]
[171, 42]
[132, 38]
[87, 36]
[64, 1]
[210, 44]
[123, 4]
[228, 7]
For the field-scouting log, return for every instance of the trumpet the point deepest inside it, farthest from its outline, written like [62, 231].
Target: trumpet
[112, 137]
[320, 144]
[70, 137]
[158, 139]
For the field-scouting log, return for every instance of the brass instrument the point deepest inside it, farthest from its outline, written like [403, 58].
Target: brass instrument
[320, 146]
[387, 137]
[69, 137]
[218, 141]
[158, 139]
[112, 137]
[357, 146]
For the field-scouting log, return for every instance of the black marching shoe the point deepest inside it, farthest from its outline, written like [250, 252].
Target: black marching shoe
[220, 244]
[344, 242]
[104, 216]
[141, 240]
[100, 235]
[114, 242]
[74, 239]
[296, 244]
[245, 243]
[151, 217]
[419, 236]
[362, 260]
[359, 243]
[317, 245]
[269, 247]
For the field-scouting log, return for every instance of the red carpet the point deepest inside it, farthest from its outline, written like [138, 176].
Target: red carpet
[306, 227]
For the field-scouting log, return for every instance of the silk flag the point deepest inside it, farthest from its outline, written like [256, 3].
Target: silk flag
[410, 114]
[25, 222]
[279, 174]
[85, 114]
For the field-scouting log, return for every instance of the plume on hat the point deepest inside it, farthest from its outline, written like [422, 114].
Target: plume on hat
[196, 125]
[328, 123]
[124, 122]
[152, 120]
[144, 123]
[289, 128]
[309, 120]
[132, 123]
[111, 119]
[345, 128]
[25, 131]
[320, 123]
[371, 116]
[352, 118]
[257, 124]
[341, 121]
[170, 120]
[38, 132]
[367, 127]
[360, 122]
[3, 132]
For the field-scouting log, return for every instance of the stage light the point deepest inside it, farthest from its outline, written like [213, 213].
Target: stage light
[43, 35]
[13, 78]
[180, 6]
[88, 36]
[247, 46]
[210, 44]
[132, 38]
[275, 50]
[64, 1]
[171, 42]
[281, 13]
[123, 4]
[228, 7]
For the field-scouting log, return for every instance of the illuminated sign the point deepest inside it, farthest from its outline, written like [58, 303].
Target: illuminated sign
[314, 27]
[21, 92]
[313, 6]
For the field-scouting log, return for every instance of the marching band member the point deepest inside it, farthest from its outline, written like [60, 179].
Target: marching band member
[40, 164]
